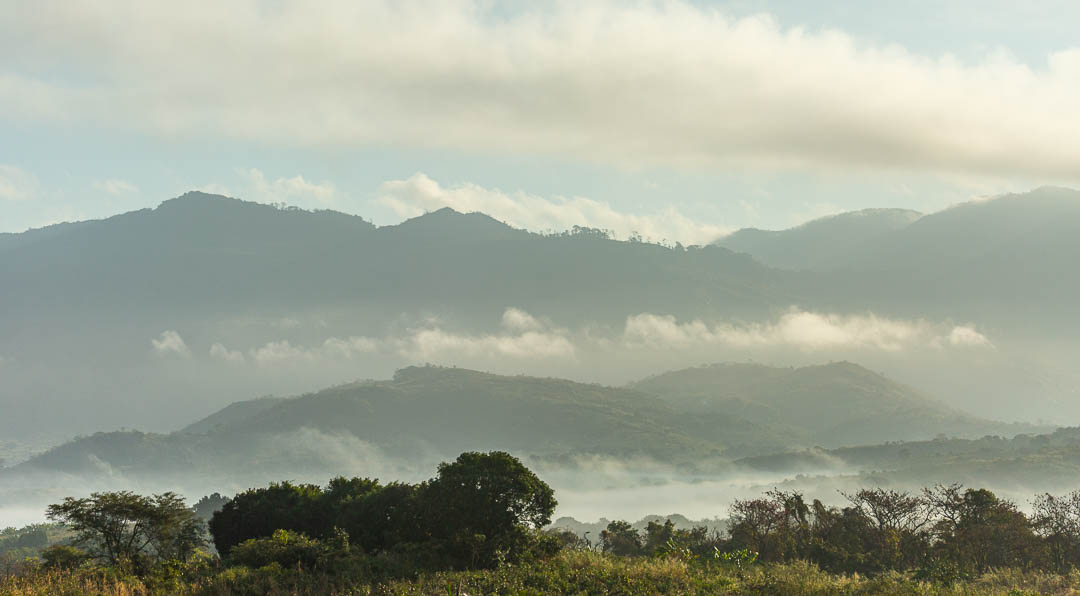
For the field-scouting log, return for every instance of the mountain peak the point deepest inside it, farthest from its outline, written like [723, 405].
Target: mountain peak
[450, 220]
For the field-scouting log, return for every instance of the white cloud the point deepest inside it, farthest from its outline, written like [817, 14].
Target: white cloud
[170, 343]
[220, 352]
[966, 336]
[115, 186]
[350, 346]
[515, 319]
[437, 343]
[288, 190]
[636, 84]
[333, 348]
[281, 352]
[522, 336]
[16, 184]
[418, 194]
[801, 330]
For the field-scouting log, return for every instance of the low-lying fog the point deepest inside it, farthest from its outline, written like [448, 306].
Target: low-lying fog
[165, 378]
[588, 490]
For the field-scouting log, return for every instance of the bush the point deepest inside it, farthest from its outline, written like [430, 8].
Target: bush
[62, 556]
[286, 548]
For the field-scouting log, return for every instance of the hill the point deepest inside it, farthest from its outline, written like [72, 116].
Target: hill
[679, 418]
[1000, 261]
[821, 244]
[80, 303]
[261, 257]
[421, 411]
[831, 405]
[1021, 465]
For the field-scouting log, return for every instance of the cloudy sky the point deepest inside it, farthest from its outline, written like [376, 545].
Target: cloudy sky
[677, 120]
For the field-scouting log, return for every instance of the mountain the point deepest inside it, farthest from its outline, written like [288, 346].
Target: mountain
[255, 256]
[821, 244]
[1003, 261]
[421, 411]
[830, 405]
[684, 417]
[81, 302]
[1007, 260]
[1022, 465]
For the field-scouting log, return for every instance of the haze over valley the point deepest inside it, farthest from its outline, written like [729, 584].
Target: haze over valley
[498, 297]
[189, 345]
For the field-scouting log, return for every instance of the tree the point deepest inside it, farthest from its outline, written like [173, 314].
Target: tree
[485, 503]
[620, 538]
[1057, 520]
[777, 526]
[900, 522]
[657, 535]
[258, 512]
[122, 528]
[978, 531]
[207, 506]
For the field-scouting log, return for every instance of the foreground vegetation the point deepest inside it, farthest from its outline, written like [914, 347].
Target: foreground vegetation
[569, 572]
[476, 528]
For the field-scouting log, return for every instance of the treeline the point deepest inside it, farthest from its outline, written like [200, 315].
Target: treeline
[479, 510]
[487, 510]
[942, 534]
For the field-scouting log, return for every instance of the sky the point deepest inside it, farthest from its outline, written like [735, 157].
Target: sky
[679, 121]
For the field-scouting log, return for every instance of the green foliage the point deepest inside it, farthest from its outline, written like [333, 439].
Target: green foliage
[207, 506]
[620, 538]
[131, 531]
[285, 548]
[476, 527]
[63, 556]
[482, 504]
[1057, 520]
[741, 558]
[479, 509]
[258, 512]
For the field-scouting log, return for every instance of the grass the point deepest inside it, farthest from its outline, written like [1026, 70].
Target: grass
[570, 572]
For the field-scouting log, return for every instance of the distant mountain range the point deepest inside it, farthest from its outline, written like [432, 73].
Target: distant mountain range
[1024, 464]
[984, 257]
[822, 244]
[830, 405]
[714, 413]
[81, 302]
[1007, 262]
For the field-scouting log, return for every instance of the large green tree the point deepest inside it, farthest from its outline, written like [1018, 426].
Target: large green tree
[486, 503]
[123, 528]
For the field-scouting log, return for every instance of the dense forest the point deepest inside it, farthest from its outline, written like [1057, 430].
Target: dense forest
[483, 525]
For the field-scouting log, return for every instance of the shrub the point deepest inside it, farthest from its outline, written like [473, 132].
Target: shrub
[286, 548]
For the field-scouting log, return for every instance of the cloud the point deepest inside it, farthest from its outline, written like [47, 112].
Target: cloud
[286, 190]
[284, 352]
[220, 352]
[16, 184]
[437, 343]
[635, 84]
[966, 336]
[419, 194]
[522, 336]
[516, 319]
[170, 343]
[802, 330]
[350, 346]
[114, 186]
[281, 352]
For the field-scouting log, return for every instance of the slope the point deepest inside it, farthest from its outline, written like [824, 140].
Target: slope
[830, 405]
[821, 244]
